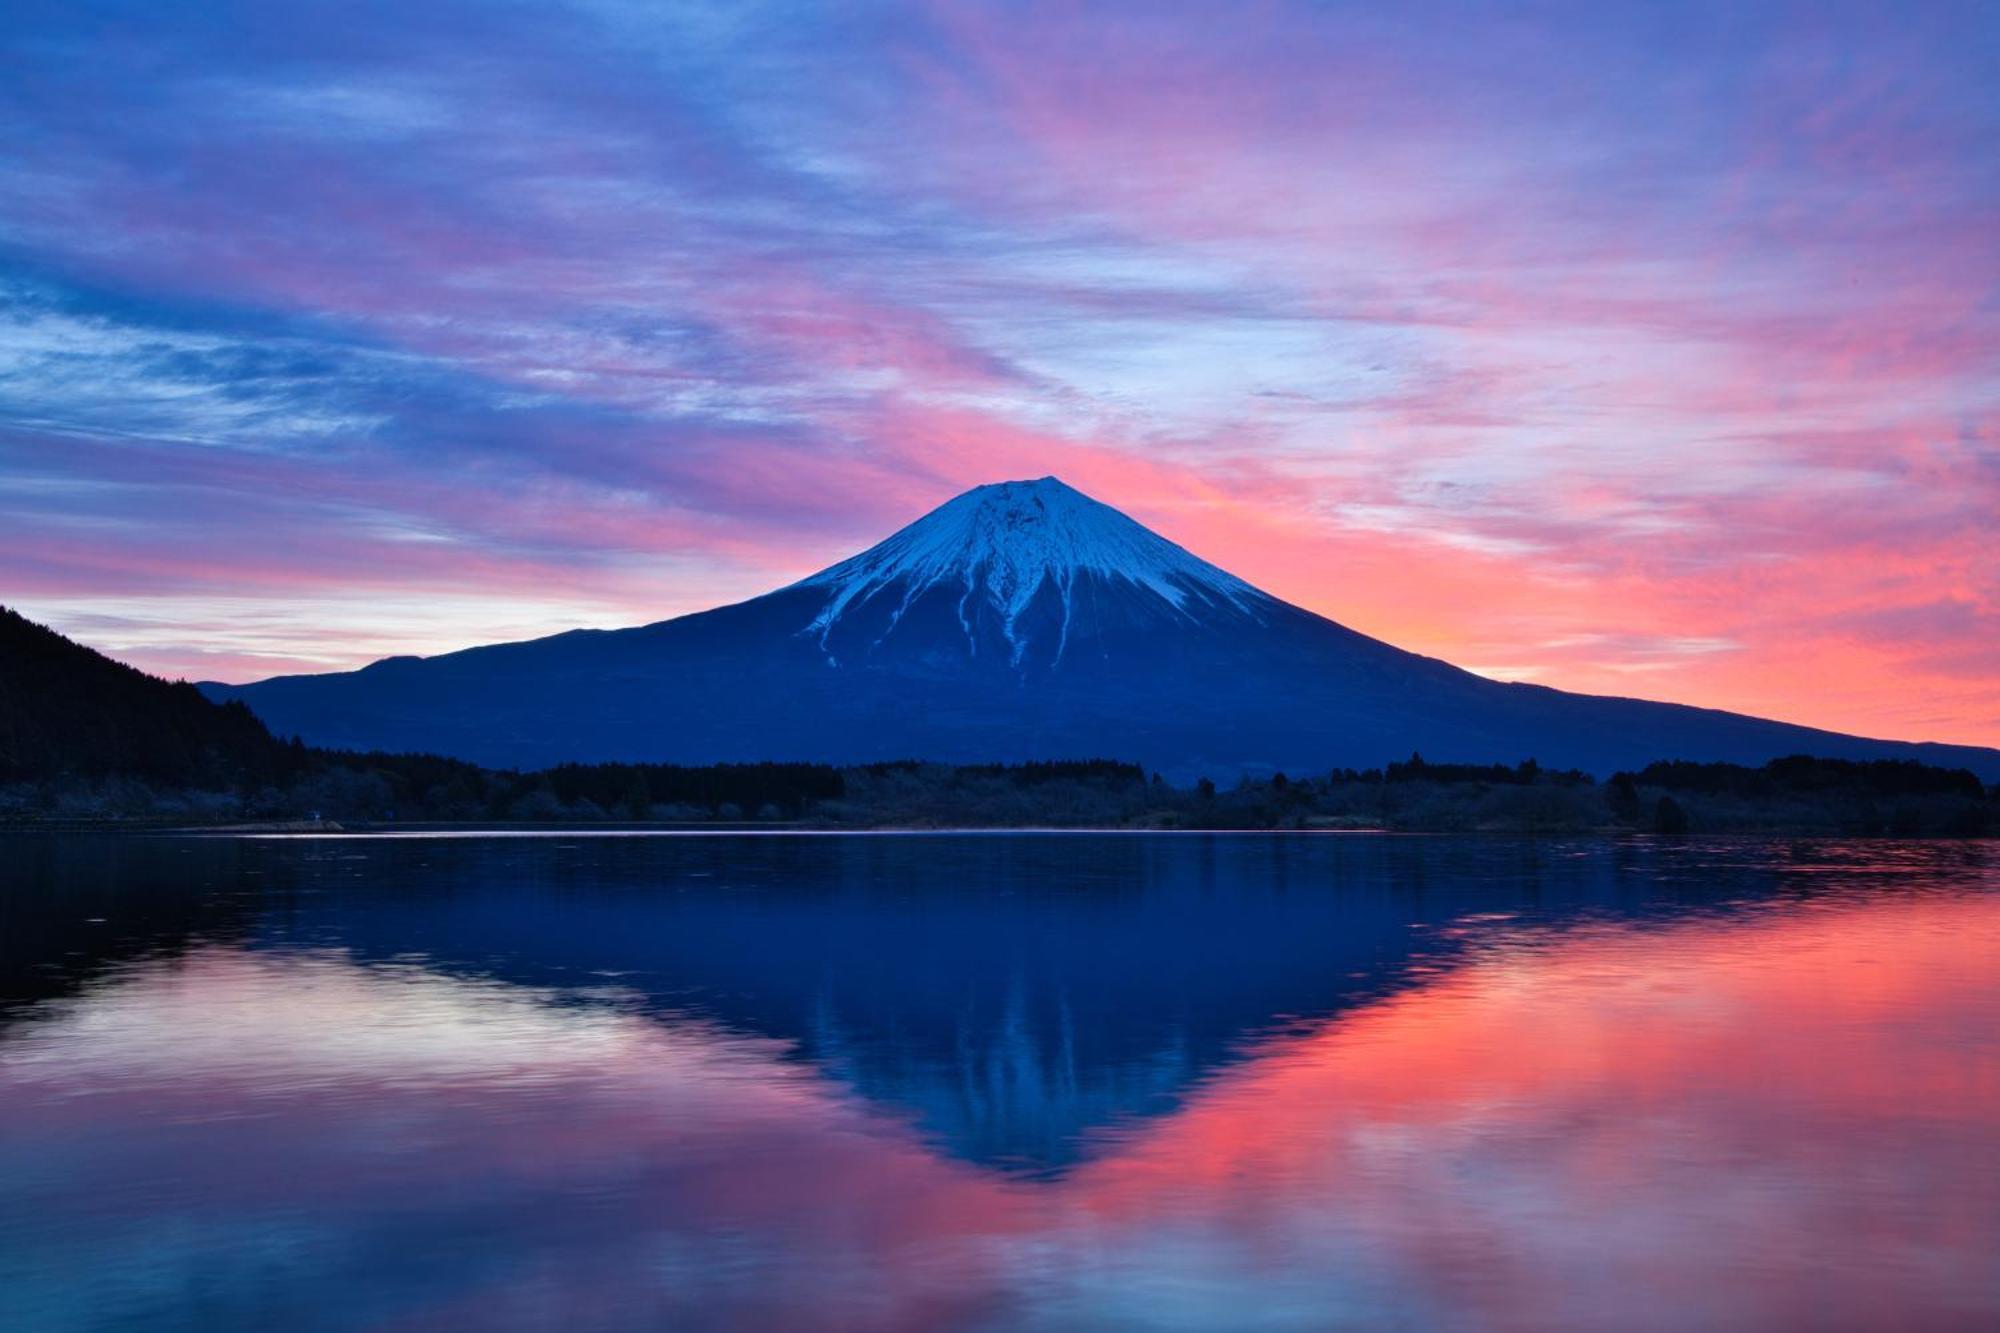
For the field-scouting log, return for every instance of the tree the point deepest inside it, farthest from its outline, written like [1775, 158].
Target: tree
[638, 800]
[1623, 794]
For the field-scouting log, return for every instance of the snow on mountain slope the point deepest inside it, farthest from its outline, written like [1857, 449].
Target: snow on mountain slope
[998, 546]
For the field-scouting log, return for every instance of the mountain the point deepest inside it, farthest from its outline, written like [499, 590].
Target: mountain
[1021, 620]
[68, 711]
[1058, 990]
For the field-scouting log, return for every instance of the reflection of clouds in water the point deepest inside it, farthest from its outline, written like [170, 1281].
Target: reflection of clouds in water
[461, 1148]
[1763, 1120]
[315, 1015]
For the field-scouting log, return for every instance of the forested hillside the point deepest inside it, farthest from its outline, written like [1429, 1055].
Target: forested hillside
[66, 710]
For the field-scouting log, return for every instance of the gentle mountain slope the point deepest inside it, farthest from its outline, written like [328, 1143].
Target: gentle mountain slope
[1019, 621]
[66, 710]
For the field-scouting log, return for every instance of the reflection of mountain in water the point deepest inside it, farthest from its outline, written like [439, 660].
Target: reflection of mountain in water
[1012, 995]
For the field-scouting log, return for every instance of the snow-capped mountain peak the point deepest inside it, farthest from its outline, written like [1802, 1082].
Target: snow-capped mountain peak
[1000, 544]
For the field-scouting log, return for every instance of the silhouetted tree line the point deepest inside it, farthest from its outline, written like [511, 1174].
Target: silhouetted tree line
[1798, 794]
[1524, 774]
[1039, 772]
[1874, 797]
[1802, 774]
[1030, 773]
[84, 737]
[635, 789]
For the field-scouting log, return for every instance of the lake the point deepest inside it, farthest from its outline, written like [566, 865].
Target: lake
[1001, 1081]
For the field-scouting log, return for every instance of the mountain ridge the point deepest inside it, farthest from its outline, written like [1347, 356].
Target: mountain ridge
[1019, 620]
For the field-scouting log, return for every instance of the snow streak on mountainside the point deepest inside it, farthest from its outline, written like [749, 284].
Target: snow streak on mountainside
[999, 546]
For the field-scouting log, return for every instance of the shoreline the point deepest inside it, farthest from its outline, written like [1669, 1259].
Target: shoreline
[384, 829]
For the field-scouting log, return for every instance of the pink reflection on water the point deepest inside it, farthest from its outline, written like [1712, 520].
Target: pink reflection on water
[1783, 1118]
[1781, 1122]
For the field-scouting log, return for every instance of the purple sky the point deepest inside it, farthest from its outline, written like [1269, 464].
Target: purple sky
[1650, 349]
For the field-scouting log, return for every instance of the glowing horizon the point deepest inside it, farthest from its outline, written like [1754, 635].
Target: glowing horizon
[1633, 352]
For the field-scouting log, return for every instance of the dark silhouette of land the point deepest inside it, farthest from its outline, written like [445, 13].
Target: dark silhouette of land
[84, 739]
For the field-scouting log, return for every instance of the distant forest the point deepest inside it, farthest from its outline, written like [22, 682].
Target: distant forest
[84, 739]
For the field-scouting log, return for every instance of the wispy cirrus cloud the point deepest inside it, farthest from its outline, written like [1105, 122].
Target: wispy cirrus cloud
[1639, 350]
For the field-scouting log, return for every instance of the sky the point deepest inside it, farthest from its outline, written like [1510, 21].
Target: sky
[1649, 349]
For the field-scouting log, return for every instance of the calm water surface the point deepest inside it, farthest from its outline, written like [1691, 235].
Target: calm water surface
[1020, 1081]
